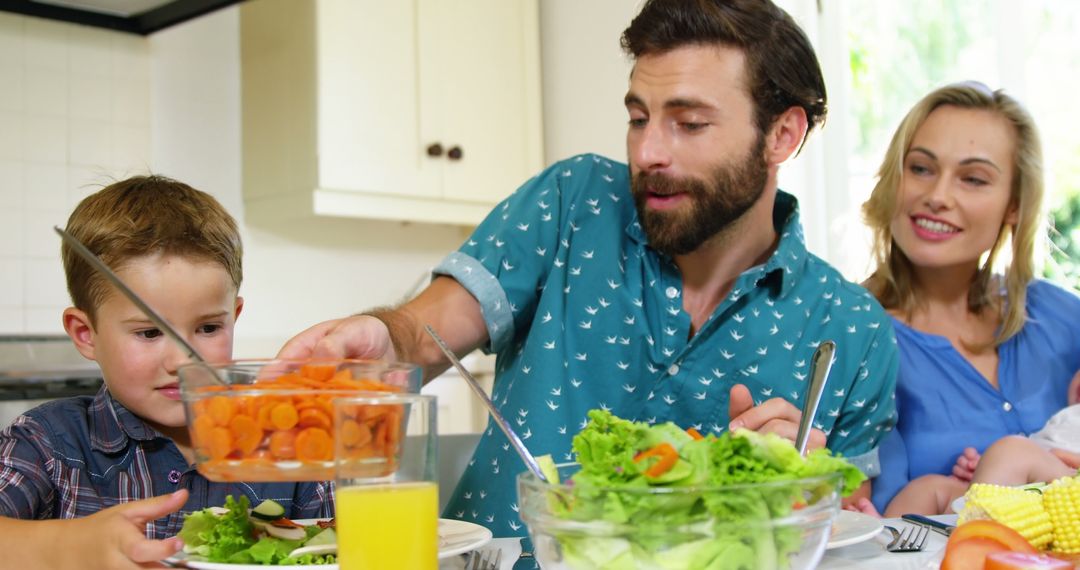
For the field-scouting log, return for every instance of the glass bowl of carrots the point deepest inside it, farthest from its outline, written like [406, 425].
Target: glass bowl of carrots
[273, 420]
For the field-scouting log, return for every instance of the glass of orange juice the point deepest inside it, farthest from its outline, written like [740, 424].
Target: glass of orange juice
[387, 497]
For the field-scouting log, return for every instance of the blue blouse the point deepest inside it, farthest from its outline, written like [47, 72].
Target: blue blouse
[944, 404]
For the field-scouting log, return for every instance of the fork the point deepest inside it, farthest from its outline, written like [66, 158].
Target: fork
[912, 539]
[484, 560]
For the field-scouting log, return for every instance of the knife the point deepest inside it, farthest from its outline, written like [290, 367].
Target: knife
[938, 526]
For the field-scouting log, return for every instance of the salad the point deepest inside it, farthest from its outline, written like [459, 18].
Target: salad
[237, 534]
[672, 498]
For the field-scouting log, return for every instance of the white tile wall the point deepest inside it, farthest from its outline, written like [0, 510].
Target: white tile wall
[74, 115]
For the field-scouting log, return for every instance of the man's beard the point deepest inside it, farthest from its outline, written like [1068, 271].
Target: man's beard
[714, 204]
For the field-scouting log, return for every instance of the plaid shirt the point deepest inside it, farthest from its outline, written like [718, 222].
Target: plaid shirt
[76, 456]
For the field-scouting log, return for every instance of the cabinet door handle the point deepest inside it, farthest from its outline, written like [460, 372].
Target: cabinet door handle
[455, 153]
[435, 150]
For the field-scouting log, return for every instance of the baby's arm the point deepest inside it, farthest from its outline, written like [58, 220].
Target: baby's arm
[1015, 460]
[112, 538]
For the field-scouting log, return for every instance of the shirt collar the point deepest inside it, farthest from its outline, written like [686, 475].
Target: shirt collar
[785, 264]
[112, 425]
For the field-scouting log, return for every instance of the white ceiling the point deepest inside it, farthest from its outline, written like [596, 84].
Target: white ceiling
[123, 8]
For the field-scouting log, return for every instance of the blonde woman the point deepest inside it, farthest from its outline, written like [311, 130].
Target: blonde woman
[984, 355]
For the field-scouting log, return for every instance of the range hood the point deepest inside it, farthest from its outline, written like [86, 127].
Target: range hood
[140, 17]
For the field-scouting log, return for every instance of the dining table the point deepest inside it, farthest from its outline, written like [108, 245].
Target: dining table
[870, 553]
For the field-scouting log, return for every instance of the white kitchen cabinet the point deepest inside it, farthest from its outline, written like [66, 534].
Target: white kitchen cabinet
[344, 99]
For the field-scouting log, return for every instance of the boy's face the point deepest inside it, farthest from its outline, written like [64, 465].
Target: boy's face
[137, 359]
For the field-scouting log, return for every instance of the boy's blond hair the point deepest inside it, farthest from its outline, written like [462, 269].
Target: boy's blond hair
[141, 216]
[892, 279]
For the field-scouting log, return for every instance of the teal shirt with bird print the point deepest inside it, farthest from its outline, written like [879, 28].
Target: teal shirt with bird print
[583, 314]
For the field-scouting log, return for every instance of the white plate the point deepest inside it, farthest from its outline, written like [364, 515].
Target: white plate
[851, 527]
[455, 537]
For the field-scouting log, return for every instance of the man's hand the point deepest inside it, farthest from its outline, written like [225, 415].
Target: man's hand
[773, 416]
[359, 336]
[965, 466]
[113, 538]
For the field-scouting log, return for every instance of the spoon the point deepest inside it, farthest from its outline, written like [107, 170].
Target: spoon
[95, 262]
[519, 446]
[820, 364]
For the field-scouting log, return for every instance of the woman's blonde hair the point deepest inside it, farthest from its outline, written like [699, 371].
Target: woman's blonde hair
[891, 281]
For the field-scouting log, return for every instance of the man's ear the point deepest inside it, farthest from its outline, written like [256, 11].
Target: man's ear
[239, 307]
[785, 135]
[77, 326]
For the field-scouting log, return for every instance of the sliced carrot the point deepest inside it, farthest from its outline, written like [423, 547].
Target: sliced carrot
[354, 434]
[666, 458]
[342, 375]
[317, 372]
[314, 417]
[314, 444]
[221, 443]
[284, 416]
[695, 434]
[283, 444]
[202, 428]
[222, 409]
[247, 435]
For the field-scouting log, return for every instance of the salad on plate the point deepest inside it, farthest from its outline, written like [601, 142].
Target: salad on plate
[239, 534]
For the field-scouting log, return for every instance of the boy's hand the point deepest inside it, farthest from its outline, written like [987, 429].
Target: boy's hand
[777, 416]
[116, 537]
[965, 466]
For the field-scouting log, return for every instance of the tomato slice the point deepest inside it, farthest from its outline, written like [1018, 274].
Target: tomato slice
[994, 530]
[1024, 561]
[970, 553]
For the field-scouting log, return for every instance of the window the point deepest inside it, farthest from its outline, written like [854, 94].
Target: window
[881, 57]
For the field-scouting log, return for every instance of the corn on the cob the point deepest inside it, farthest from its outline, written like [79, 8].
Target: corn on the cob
[1062, 502]
[1017, 509]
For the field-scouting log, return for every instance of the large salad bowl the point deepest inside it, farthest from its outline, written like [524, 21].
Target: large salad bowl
[782, 524]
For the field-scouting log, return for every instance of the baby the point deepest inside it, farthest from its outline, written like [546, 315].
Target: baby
[1050, 453]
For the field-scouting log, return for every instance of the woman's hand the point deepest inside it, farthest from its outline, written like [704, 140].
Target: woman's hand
[965, 466]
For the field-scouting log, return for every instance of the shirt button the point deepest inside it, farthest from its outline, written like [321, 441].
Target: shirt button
[174, 476]
[671, 292]
[673, 370]
[1007, 407]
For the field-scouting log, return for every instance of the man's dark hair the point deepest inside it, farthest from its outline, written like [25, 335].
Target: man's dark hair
[781, 67]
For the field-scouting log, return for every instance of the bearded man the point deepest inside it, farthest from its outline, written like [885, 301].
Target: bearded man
[678, 288]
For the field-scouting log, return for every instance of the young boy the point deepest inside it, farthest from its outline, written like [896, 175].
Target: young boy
[113, 473]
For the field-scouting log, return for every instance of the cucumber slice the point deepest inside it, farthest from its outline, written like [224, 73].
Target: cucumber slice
[268, 510]
[326, 536]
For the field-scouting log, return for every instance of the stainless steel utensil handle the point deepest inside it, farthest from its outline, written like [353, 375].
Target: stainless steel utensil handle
[519, 446]
[820, 365]
[938, 526]
[108, 273]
